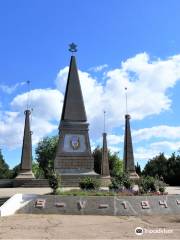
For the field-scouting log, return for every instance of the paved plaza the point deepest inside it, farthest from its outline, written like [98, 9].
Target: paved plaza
[8, 192]
[88, 227]
[38, 226]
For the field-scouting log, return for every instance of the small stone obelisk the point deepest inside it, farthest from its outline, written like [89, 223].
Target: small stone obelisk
[105, 160]
[105, 175]
[128, 151]
[26, 156]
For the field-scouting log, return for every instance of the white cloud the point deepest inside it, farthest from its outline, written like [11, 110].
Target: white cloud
[114, 139]
[61, 79]
[147, 82]
[162, 131]
[46, 103]
[149, 151]
[144, 153]
[165, 145]
[41, 128]
[11, 129]
[98, 68]
[114, 142]
[115, 149]
[10, 89]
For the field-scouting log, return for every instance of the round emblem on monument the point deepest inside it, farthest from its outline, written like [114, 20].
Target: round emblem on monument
[75, 143]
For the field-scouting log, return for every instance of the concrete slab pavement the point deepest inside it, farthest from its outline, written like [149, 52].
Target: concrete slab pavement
[8, 192]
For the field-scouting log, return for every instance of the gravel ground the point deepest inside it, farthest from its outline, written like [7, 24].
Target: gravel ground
[87, 227]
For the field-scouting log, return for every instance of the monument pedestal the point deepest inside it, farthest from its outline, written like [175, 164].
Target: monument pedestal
[134, 176]
[73, 180]
[105, 181]
[25, 175]
[74, 153]
[31, 183]
[23, 178]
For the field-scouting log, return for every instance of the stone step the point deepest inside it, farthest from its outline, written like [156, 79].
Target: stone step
[6, 183]
[66, 181]
[31, 183]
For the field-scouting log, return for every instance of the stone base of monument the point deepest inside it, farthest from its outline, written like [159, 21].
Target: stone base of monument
[134, 176]
[25, 175]
[67, 180]
[102, 205]
[6, 183]
[30, 183]
[73, 179]
[105, 181]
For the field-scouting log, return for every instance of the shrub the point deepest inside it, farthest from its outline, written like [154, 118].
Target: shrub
[77, 192]
[151, 184]
[89, 183]
[54, 181]
[161, 186]
[115, 185]
[148, 184]
[120, 182]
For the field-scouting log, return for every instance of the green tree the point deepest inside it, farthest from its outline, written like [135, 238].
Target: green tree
[15, 171]
[97, 155]
[5, 173]
[37, 171]
[54, 180]
[156, 166]
[45, 154]
[173, 174]
[138, 169]
[115, 164]
[163, 168]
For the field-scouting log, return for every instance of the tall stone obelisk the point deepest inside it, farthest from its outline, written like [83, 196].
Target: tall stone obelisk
[128, 151]
[26, 156]
[73, 156]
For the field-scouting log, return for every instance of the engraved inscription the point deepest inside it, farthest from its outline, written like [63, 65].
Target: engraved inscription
[124, 204]
[145, 205]
[163, 203]
[103, 205]
[81, 204]
[60, 204]
[40, 203]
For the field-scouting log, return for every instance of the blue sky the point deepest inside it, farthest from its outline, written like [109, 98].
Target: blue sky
[120, 43]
